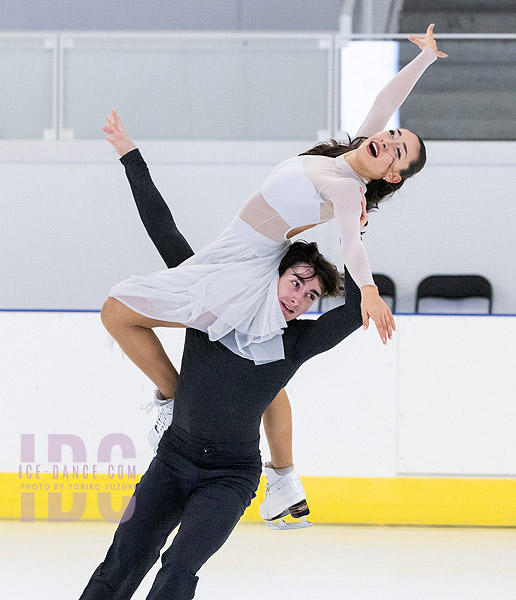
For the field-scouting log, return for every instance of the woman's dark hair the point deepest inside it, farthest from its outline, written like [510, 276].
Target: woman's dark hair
[377, 189]
[308, 252]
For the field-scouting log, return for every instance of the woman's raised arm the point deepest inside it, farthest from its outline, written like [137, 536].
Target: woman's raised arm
[396, 91]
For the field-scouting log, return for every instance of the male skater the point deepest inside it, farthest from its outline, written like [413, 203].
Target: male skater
[208, 465]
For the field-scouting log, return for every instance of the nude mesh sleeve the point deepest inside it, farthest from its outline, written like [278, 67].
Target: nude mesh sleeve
[346, 197]
[394, 93]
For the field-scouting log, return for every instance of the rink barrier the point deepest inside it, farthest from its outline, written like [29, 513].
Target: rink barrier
[487, 502]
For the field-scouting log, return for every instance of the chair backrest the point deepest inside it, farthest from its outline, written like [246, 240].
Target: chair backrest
[326, 303]
[386, 288]
[455, 287]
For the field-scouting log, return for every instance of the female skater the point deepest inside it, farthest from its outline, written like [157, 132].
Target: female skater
[230, 288]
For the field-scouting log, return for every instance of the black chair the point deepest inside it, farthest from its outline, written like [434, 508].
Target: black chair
[455, 287]
[386, 288]
[326, 303]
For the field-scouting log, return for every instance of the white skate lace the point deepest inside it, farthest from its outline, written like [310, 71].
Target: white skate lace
[150, 405]
[160, 402]
[163, 417]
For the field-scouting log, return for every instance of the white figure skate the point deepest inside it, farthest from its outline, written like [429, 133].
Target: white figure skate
[163, 420]
[284, 495]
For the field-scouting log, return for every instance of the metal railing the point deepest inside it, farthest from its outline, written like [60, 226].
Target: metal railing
[215, 86]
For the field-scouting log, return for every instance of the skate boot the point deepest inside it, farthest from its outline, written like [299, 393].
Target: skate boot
[284, 495]
[163, 420]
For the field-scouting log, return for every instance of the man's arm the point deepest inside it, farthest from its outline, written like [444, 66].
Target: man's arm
[331, 328]
[154, 211]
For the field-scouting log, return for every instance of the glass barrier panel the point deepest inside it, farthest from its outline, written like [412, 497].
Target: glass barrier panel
[467, 96]
[225, 88]
[27, 83]
[366, 67]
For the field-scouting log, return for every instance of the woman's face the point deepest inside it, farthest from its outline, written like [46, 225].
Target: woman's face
[386, 153]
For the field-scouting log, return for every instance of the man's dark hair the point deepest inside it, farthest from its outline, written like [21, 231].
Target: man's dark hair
[331, 280]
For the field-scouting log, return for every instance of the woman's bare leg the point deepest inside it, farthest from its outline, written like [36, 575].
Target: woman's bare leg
[277, 422]
[133, 332]
[284, 491]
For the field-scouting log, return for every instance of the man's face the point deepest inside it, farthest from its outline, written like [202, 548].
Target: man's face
[295, 295]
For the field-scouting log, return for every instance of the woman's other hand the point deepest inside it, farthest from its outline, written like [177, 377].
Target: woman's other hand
[117, 136]
[427, 40]
[374, 307]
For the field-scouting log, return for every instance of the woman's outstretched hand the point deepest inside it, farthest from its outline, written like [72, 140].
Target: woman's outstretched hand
[375, 308]
[427, 40]
[116, 135]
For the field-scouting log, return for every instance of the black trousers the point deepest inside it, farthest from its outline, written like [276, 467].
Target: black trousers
[202, 485]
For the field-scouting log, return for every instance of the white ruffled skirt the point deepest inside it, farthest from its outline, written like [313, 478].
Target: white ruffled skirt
[229, 290]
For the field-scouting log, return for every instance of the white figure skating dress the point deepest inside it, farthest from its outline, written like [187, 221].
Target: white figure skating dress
[229, 288]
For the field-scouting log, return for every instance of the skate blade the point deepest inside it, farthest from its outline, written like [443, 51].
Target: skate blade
[282, 525]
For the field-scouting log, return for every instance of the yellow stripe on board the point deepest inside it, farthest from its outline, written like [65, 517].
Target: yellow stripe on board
[65, 498]
[352, 500]
[412, 500]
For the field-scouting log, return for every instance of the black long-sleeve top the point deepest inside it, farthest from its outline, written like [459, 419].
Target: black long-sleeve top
[220, 396]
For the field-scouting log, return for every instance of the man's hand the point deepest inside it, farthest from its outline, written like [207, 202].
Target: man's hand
[117, 135]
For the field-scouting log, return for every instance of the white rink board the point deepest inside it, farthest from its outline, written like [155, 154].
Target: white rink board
[438, 400]
[344, 409]
[61, 374]
[457, 396]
